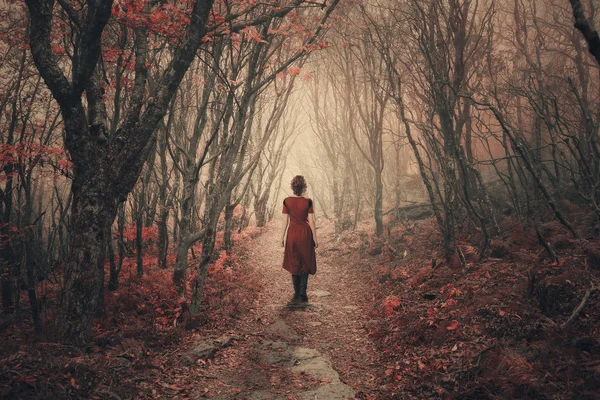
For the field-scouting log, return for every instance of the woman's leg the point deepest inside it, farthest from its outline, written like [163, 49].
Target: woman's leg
[296, 281]
[303, 285]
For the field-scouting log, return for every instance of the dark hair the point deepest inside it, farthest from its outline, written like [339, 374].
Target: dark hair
[298, 185]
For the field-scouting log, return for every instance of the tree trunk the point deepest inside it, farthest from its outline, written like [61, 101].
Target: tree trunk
[227, 240]
[8, 268]
[378, 209]
[181, 254]
[243, 217]
[100, 307]
[208, 245]
[260, 211]
[31, 293]
[92, 212]
[185, 227]
[139, 239]
[163, 238]
[337, 205]
[104, 169]
[7, 290]
[115, 268]
[113, 280]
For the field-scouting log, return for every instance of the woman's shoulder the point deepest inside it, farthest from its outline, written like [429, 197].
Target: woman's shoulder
[298, 198]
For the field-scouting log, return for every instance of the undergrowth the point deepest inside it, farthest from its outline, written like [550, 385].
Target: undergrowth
[146, 320]
[492, 330]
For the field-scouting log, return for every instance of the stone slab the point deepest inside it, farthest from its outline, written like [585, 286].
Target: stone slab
[282, 330]
[320, 293]
[334, 391]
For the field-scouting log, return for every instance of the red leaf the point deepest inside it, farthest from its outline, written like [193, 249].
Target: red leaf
[389, 304]
[453, 325]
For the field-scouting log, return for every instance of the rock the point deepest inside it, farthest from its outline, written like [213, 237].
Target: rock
[315, 323]
[305, 306]
[291, 355]
[263, 395]
[335, 391]
[224, 341]
[350, 308]
[317, 367]
[205, 348]
[320, 293]
[304, 353]
[282, 330]
[276, 357]
[275, 345]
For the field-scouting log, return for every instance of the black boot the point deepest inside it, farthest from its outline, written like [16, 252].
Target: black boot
[303, 285]
[296, 281]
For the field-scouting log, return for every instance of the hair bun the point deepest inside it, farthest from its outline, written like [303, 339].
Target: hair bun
[298, 185]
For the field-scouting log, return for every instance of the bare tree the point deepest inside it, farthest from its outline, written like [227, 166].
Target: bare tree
[105, 166]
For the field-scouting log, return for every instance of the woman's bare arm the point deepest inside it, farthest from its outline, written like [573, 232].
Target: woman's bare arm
[313, 228]
[284, 225]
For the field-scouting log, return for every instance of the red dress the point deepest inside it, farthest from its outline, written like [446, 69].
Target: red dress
[299, 255]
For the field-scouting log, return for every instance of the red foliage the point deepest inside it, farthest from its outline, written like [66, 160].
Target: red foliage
[147, 302]
[229, 289]
[166, 19]
[30, 154]
[149, 234]
[420, 276]
[442, 337]
[389, 305]
[153, 302]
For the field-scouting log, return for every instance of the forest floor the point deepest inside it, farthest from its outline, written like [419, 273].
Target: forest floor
[387, 319]
[384, 323]
[320, 350]
[249, 344]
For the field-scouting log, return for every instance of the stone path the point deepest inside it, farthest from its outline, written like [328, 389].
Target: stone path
[318, 351]
[280, 350]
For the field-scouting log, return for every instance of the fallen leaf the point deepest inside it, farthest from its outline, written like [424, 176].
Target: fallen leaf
[453, 325]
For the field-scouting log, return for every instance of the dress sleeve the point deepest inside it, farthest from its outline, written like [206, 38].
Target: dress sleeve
[310, 207]
[285, 209]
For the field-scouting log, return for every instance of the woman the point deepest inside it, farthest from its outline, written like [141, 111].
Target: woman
[299, 255]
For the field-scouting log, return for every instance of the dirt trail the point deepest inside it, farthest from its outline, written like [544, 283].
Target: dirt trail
[320, 351]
